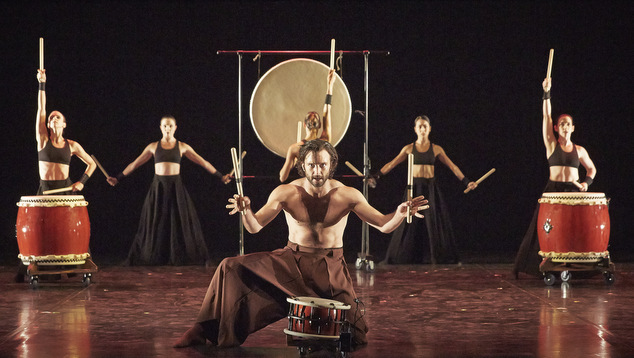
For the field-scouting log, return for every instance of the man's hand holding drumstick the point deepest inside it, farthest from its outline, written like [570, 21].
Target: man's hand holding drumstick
[230, 174]
[412, 207]
[239, 202]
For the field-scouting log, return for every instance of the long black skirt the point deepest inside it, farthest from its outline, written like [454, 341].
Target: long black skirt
[528, 259]
[169, 231]
[426, 240]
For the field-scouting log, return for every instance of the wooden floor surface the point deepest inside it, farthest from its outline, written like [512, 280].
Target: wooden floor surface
[472, 310]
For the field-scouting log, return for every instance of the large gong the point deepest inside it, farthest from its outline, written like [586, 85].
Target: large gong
[286, 93]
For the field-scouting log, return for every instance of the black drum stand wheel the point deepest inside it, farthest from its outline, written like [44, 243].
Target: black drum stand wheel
[549, 278]
[34, 282]
[565, 276]
[87, 279]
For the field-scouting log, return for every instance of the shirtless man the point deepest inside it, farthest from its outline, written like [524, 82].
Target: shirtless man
[249, 292]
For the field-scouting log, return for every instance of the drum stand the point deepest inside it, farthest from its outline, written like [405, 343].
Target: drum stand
[547, 267]
[35, 269]
[364, 259]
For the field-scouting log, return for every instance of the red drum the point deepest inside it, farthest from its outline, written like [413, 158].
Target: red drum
[53, 229]
[313, 317]
[573, 227]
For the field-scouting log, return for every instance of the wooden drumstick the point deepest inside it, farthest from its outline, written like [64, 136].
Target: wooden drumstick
[100, 167]
[53, 191]
[332, 54]
[300, 126]
[41, 53]
[577, 184]
[234, 158]
[410, 184]
[481, 179]
[234, 169]
[355, 170]
[550, 62]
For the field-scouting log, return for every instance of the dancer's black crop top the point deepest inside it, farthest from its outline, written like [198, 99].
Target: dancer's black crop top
[167, 155]
[427, 158]
[564, 159]
[52, 154]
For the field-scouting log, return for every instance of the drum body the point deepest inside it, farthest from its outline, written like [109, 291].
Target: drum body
[573, 227]
[53, 229]
[286, 93]
[312, 317]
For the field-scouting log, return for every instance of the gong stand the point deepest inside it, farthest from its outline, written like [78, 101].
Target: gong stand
[365, 242]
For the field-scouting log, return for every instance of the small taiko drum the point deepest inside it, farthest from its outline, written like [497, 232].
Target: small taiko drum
[573, 227]
[313, 317]
[53, 229]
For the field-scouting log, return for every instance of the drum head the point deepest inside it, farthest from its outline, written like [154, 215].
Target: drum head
[574, 198]
[286, 93]
[574, 195]
[318, 302]
[52, 200]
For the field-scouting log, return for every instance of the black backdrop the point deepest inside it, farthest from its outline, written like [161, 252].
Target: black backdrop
[475, 68]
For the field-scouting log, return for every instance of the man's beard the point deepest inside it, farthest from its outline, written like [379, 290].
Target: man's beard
[317, 182]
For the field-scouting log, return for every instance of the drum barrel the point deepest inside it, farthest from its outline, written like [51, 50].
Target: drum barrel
[573, 226]
[53, 229]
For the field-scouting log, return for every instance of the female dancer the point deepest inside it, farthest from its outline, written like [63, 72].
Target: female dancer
[54, 153]
[169, 231]
[312, 123]
[53, 150]
[564, 158]
[429, 239]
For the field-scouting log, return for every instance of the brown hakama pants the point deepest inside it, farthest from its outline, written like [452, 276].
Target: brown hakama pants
[249, 292]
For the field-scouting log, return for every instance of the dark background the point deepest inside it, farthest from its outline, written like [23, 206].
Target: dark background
[474, 67]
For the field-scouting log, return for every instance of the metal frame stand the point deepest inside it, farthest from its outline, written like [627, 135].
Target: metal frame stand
[364, 258]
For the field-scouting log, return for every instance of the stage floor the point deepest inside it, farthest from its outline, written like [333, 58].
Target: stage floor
[473, 310]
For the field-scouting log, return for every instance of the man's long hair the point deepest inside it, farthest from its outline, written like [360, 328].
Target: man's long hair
[317, 145]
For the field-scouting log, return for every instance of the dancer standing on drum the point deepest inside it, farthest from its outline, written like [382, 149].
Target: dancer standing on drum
[430, 239]
[249, 292]
[53, 150]
[564, 158]
[169, 231]
[312, 123]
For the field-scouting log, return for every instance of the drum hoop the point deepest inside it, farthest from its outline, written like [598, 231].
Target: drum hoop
[573, 201]
[52, 201]
[310, 302]
[308, 335]
[573, 198]
[72, 259]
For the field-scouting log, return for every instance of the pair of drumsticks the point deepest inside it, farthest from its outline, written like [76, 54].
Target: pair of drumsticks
[410, 180]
